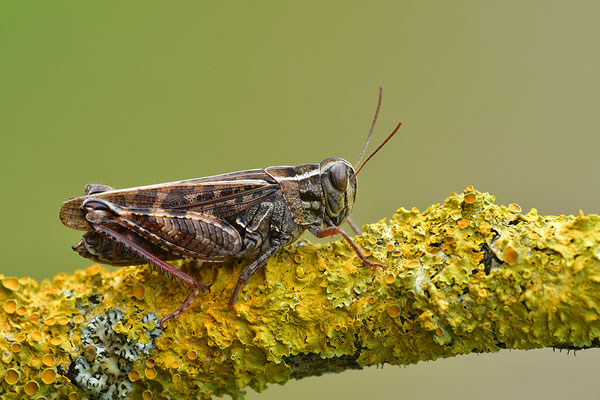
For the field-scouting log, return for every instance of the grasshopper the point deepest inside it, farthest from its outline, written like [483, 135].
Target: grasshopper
[248, 214]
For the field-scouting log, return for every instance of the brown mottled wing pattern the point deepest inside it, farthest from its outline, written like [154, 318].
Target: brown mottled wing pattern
[220, 196]
[188, 218]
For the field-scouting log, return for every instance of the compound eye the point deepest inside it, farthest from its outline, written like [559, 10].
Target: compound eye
[338, 174]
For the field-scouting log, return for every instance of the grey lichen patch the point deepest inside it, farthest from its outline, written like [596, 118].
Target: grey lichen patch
[108, 354]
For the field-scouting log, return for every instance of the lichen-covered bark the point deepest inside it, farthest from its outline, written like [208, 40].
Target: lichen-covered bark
[464, 276]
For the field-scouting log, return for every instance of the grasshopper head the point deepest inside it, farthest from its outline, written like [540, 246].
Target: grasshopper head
[339, 188]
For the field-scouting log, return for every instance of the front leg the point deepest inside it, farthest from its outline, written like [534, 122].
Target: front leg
[256, 230]
[353, 225]
[334, 230]
[250, 270]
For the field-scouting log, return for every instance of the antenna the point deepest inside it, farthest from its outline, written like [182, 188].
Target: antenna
[377, 149]
[362, 153]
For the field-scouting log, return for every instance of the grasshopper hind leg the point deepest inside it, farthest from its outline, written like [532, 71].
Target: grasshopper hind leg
[166, 269]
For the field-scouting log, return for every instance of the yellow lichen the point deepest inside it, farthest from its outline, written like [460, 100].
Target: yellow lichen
[139, 292]
[48, 376]
[514, 207]
[93, 270]
[470, 198]
[21, 310]
[48, 360]
[89, 353]
[11, 376]
[133, 376]
[393, 311]
[464, 276]
[150, 373]
[10, 306]
[510, 255]
[36, 336]
[11, 283]
[31, 388]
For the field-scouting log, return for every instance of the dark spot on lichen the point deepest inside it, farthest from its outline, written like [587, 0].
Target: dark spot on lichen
[490, 260]
[96, 298]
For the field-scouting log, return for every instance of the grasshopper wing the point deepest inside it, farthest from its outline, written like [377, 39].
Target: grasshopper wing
[220, 196]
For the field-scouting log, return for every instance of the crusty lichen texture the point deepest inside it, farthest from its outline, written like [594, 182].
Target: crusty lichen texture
[464, 276]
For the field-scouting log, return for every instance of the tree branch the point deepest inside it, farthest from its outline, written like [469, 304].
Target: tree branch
[465, 276]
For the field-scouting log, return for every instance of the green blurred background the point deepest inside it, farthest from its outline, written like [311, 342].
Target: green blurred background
[500, 95]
